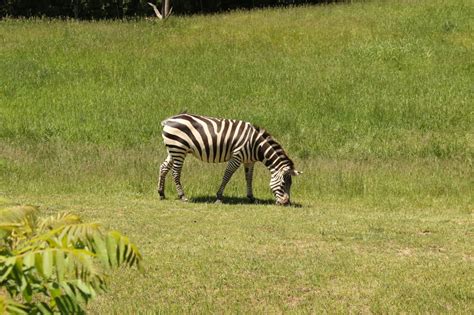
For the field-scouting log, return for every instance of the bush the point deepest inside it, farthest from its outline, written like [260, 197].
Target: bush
[102, 9]
[57, 263]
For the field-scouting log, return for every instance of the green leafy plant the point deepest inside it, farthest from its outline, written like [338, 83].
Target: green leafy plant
[57, 263]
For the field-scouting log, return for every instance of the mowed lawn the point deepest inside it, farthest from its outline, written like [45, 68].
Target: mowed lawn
[372, 100]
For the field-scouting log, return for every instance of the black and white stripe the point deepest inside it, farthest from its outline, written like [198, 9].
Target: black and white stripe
[216, 140]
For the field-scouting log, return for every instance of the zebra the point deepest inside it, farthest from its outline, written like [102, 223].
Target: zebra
[217, 140]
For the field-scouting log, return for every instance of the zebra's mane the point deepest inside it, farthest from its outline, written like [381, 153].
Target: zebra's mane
[274, 143]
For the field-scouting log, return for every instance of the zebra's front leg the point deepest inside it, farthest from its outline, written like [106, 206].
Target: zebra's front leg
[164, 169]
[248, 167]
[176, 170]
[232, 166]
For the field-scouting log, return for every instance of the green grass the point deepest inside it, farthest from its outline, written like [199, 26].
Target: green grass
[372, 100]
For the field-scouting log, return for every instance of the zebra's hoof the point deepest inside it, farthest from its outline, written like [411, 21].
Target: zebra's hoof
[251, 199]
[218, 201]
[161, 193]
[183, 199]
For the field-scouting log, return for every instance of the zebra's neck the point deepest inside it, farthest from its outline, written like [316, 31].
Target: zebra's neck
[271, 153]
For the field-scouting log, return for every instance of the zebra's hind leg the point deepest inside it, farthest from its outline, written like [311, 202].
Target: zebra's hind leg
[164, 169]
[248, 168]
[178, 162]
[232, 166]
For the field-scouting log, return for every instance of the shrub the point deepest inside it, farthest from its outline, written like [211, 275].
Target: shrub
[57, 263]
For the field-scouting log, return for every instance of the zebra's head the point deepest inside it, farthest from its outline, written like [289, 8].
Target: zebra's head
[280, 184]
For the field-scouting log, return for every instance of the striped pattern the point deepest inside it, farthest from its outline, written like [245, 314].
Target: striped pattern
[215, 140]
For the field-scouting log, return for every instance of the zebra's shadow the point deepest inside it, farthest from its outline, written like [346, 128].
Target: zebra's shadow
[237, 201]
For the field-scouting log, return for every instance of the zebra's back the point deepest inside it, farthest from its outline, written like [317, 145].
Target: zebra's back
[210, 139]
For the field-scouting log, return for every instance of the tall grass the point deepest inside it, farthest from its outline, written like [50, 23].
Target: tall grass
[344, 81]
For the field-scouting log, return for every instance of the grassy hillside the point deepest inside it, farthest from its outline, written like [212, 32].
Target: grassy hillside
[348, 82]
[373, 101]
[363, 80]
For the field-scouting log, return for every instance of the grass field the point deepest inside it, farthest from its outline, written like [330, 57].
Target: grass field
[372, 100]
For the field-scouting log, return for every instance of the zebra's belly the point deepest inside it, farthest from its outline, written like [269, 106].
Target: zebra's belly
[211, 158]
[221, 159]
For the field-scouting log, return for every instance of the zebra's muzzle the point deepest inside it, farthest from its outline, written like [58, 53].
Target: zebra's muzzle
[284, 201]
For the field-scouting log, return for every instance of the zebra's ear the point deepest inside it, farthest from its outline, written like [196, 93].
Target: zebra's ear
[295, 173]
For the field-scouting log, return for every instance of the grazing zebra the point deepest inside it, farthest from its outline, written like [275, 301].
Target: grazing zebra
[216, 140]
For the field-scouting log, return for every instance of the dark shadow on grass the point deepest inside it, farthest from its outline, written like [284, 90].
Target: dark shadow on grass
[237, 201]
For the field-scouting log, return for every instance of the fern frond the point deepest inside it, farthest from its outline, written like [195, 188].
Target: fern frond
[17, 223]
[122, 251]
[61, 219]
[9, 306]
[56, 257]
[52, 263]
[16, 213]
[81, 232]
[65, 236]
